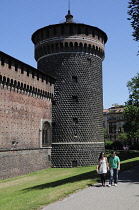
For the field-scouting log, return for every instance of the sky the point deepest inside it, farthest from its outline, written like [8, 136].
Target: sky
[19, 19]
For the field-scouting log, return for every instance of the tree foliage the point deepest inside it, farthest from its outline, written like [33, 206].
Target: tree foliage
[133, 12]
[133, 87]
[133, 6]
[131, 111]
[131, 116]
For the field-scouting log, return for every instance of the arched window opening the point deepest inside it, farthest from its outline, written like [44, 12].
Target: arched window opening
[4, 80]
[93, 49]
[71, 46]
[24, 87]
[27, 88]
[8, 81]
[89, 48]
[76, 46]
[46, 134]
[21, 86]
[18, 86]
[85, 47]
[96, 50]
[61, 46]
[11, 82]
[66, 46]
[15, 84]
[81, 47]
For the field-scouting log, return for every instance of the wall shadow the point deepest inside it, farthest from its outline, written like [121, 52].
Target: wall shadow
[131, 175]
[81, 177]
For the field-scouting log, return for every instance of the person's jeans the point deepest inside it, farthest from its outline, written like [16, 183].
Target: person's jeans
[113, 175]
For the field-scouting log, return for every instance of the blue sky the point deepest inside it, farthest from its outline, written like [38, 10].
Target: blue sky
[19, 19]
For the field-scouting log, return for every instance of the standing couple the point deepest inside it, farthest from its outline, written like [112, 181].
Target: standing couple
[113, 165]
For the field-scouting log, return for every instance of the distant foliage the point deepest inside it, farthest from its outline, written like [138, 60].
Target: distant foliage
[108, 144]
[133, 87]
[131, 111]
[133, 12]
[117, 145]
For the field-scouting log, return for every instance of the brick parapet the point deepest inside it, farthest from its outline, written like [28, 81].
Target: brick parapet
[16, 74]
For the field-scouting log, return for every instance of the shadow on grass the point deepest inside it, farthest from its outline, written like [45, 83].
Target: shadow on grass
[89, 175]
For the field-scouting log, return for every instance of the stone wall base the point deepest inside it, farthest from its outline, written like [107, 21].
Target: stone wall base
[18, 162]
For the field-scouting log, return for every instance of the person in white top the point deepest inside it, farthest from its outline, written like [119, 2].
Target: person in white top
[102, 166]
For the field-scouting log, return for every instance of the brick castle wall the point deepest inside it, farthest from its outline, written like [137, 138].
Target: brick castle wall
[26, 114]
[21, 116]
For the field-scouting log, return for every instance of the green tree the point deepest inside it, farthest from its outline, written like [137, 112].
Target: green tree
[133, 87]
[123, 138]
[131, 116]
[131, 111]
[133, 12]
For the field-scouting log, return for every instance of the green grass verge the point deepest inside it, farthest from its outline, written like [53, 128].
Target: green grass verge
[40, 188]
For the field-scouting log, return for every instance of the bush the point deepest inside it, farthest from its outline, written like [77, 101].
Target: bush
[108, 144]
[134, 147]
[117, 145]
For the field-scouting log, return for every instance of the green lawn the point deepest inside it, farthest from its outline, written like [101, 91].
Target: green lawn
[40, 188]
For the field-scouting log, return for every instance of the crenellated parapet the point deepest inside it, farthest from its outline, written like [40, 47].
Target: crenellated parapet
[22, 78]
[69, 37]
[14, 85]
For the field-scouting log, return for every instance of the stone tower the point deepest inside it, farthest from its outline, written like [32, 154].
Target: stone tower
[73, 54]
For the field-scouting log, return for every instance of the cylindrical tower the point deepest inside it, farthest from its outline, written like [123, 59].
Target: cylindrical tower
[73, 53]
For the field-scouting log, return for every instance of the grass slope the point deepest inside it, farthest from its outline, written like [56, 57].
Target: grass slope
[40, 188]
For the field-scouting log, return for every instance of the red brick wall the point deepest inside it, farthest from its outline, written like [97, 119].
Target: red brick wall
[21, 116]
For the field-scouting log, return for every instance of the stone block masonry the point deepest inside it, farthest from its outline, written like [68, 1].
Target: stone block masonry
[73, 54]
[18, 162]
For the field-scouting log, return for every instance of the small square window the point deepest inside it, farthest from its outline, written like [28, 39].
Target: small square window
[74, 79]
[75, 99]
[75, 120]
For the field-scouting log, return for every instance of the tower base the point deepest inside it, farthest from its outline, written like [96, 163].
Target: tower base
[68, 155]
